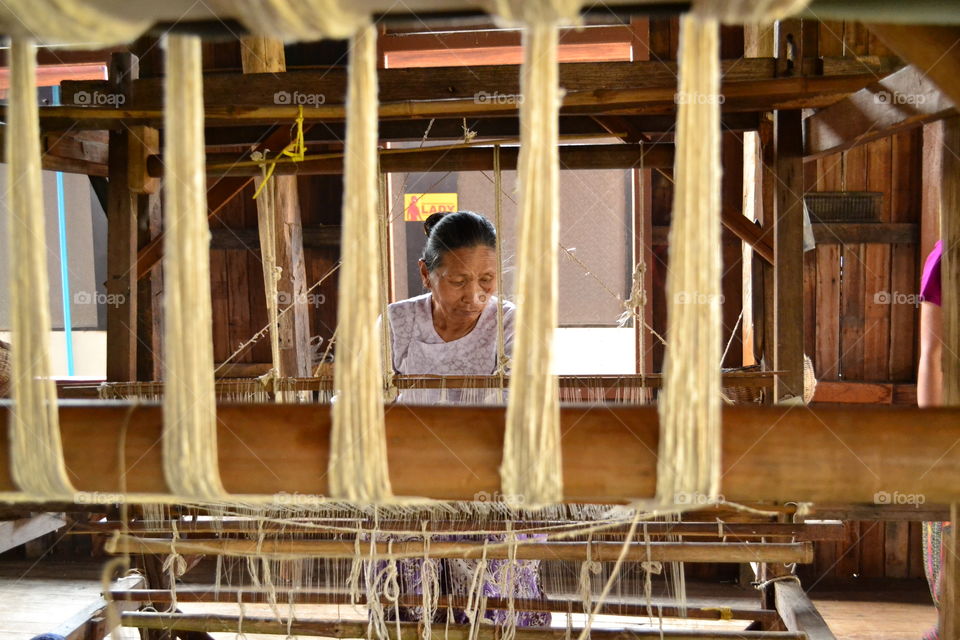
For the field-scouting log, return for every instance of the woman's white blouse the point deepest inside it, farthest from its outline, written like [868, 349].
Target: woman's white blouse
[419, 350]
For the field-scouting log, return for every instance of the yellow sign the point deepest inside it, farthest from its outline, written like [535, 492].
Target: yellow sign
[418, 206]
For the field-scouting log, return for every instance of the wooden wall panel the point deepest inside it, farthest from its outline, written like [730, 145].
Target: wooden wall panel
[872, 339]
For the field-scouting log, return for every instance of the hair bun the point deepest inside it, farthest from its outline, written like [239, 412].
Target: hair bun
[432, 221]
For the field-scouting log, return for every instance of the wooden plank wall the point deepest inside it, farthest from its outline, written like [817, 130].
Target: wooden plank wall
[852, 332]
[239, 305]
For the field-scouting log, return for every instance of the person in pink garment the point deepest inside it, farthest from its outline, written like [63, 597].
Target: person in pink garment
[930, 394]
[452, 328]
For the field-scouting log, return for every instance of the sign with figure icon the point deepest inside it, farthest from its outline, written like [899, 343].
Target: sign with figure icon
[418, 206]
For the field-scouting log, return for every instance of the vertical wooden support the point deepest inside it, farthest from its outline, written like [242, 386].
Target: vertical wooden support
[930, 190]
[263, 55]
[950, 283]
[121, 240]
[764, 298]
[758, 42]
[788, 228]
[731, 146]
[149, 293]
[643, 219]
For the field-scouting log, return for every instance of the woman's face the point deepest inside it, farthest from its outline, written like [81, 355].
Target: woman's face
[464, 281]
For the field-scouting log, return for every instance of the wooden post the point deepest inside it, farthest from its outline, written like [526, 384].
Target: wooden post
[149, 293]
[264, 55]
[798, 613]
[764, 298]
[758, 42]
[643, 221]
[950, 282]
[788, 269]
[121, 240]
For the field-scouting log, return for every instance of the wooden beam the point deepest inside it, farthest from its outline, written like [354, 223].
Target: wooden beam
[260, 55]
[413, 630]
[933, 50]
[14, 533]
[321, 527]
[734, 552]
[776, 454]
[788, 267]
[857, 233]
[886, 512]
[748, 232]
[232, 595]
[749, 96]
[865, 392]
[483, 38]
[484, 84]
[325, 236]
[328, 86]
[91, 621]
[479, 158]
[798, 613]
[452, 129]
[121, 240]
[901, 101]
[85, 152]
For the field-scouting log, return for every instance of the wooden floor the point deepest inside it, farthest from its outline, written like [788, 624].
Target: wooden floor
[41, 597]
[877, 610]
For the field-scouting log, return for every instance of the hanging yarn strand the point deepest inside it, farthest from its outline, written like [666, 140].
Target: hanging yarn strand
[532, 466]
[189, 402]
[36, 449]
[689, 456]
[358, 456]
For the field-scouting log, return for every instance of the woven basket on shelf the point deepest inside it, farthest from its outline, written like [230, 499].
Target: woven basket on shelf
[744, 394]
[4, 369]
[754, 395]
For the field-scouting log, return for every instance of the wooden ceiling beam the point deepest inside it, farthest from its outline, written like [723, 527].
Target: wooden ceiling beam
[475, 158]
[934, 50]
[902, 100]
[747, 96]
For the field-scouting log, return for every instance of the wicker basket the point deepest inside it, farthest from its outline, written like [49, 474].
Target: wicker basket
[4, 369]
[754, 395]
[744, 394]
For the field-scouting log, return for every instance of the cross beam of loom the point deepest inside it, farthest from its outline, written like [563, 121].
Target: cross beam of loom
[777, 454]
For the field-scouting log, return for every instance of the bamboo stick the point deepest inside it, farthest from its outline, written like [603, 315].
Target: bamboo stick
[313, 596]
[736, 530]
[212, 623]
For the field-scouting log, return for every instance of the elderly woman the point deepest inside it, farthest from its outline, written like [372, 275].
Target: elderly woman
[452, 330]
